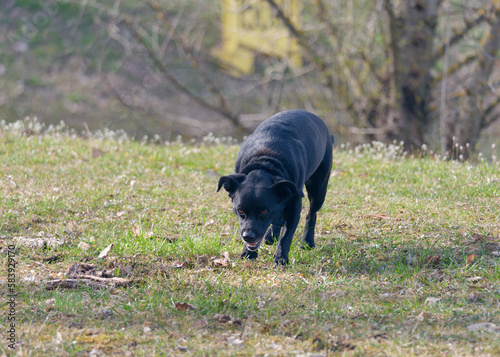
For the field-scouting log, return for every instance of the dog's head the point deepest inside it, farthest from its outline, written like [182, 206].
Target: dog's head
[258, 201]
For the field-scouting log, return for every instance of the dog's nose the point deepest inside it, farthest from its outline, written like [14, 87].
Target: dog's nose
[248, 235]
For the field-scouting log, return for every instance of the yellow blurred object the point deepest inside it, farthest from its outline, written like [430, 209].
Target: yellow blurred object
[250, 26]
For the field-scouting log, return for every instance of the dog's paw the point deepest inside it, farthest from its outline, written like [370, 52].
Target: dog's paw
[248, 254]
[307, 245]
[281, 261]
[307, 241]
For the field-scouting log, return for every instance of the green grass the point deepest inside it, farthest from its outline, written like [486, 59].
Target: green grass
[394, 231]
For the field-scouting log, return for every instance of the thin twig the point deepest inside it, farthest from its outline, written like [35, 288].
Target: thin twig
[442, 109]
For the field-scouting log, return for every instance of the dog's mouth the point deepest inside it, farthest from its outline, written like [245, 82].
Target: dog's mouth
[253, 246]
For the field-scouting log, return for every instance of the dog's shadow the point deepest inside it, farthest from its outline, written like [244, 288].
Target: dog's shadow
[406, 258]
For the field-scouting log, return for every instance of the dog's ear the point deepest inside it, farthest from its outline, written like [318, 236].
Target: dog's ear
[231, 183]
[286, 190]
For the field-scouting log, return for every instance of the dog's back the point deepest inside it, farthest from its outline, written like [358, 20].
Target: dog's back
[297, 139]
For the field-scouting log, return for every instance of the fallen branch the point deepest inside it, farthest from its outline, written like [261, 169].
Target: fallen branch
[87, 281]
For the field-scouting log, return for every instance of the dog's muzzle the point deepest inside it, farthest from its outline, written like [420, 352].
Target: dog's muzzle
[253, 246]
[251, 241]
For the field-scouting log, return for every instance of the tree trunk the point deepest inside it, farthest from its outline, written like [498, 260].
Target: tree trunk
[412, 49]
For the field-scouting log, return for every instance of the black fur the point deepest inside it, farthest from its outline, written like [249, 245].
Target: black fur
[287, 151]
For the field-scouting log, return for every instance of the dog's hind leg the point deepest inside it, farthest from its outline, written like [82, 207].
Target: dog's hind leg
[316, 187]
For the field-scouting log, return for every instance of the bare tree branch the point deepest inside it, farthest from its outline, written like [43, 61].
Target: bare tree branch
[457, 36]
[454, 68]
[489, 119]
[179, 86]
[353, 98]
[129, 105]
[311, 51]
[195, 64]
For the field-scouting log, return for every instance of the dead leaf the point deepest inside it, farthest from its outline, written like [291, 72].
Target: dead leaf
[53, 258]
[91, 331]
[208, 223]
[96, 153]
[248, 263]
[199, 323]
[475, 279]
[81, 269]
[432, 260]
[484, 326]
[178, 264]
[432, 301]
[477, 286]
[382, 217]
[381, 336]
[221, 262]
[223, 319]
[225, 261]
[470, 259]
[58, 339]
[83, 246]
[202, 258]
[436, 275]
[103, 313]
[105, 252]
[422, 316]
[378, 216]
[184, 306]
[478, 238]
[172, 237]
[136, 230]
[50, 304]
[234, 341]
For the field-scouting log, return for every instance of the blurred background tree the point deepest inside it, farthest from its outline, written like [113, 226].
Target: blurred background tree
[421, 71]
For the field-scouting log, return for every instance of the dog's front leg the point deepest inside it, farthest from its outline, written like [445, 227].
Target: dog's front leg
[291, 214]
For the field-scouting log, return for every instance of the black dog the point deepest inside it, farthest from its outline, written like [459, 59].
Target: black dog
[288, 150]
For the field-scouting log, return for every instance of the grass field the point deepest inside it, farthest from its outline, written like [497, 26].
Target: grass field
[407, 259]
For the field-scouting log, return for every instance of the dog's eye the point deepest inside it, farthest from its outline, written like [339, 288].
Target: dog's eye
[240, 211]
[264, 212]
